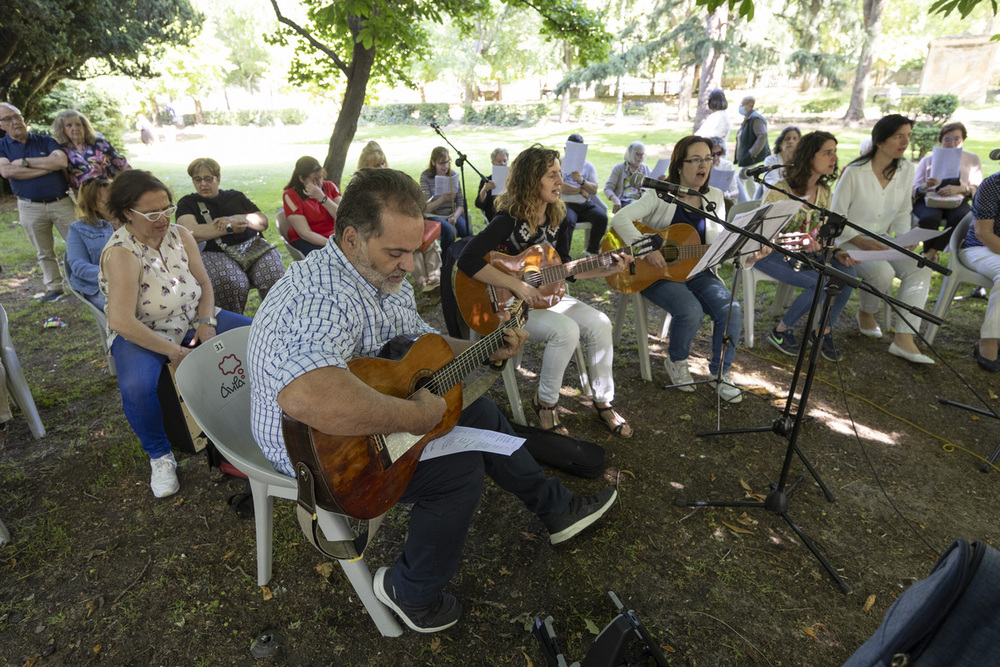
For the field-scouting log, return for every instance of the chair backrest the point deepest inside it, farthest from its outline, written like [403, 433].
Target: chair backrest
[214, 382]
[958, 236]
[281, 220]
[741, 207]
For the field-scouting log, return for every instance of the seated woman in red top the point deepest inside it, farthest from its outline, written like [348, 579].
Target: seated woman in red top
[310, 205]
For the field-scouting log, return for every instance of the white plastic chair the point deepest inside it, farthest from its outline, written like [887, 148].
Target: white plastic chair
[224, 416]
[282, 222]
[17, 384]
[640, 313]
[100, 321]
[960, 273]
[783, 294]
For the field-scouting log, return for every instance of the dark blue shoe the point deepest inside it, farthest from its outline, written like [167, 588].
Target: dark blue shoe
[784, 341]
[828, 349]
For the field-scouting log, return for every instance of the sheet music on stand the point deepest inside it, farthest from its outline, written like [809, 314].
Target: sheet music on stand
[766, 220]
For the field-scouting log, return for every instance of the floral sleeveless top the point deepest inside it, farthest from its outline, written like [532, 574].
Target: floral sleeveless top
[168, 292]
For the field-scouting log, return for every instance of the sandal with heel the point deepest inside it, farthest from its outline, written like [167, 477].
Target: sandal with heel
[614, 421]
[553, 416]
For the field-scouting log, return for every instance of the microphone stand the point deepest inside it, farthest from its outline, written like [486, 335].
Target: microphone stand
[460, 162]
[789, 425]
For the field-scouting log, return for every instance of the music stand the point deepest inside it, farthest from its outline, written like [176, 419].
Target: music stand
[460, 161]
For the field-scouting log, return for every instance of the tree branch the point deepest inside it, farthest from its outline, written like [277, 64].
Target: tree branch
[308, 37]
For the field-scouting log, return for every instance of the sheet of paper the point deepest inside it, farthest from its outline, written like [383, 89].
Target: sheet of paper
[574, 157]
[500, 179]
[661, 168]
[946, 163]
[445, 184]
[910, 238]
[721, 179]
[465, 439]
[766, 220]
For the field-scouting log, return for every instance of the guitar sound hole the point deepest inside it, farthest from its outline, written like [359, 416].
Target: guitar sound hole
[533, 278]
[670, 252]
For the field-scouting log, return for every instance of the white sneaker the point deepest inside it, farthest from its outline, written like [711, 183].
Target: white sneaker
[163, 481]
[679, 374]
[727, 391]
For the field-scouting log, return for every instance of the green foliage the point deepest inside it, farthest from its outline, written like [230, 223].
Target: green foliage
[99, 105]
[505, 115]
[910, 105]
[46, 41]
[823, 104]
[251, 117]
[827, 66]
[940, 108]
[964, 7]
[249, 59]
[405, 114]
[923, 138]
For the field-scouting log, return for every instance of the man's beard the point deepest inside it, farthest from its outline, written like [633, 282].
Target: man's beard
[365, 266]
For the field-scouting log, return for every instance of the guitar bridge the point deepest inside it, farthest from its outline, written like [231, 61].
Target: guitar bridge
[491, 292]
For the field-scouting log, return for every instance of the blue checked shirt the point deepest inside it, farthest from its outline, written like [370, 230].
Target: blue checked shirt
[321, 313]
[985, 206]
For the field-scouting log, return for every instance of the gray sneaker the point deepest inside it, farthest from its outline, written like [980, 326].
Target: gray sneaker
[581, 513]
[679, 374]
[728, 391]
[439, 615]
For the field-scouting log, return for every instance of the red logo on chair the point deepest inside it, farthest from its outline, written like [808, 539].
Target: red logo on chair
[231, 365]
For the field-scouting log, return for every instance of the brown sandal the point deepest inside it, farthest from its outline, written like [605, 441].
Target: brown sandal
[553, 417]
[614, 421]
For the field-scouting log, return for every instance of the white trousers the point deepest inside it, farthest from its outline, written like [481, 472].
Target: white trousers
[985, 261]
[914, 285]
[561, 329]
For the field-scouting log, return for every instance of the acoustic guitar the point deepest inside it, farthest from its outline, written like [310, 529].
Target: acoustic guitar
[363, 476]
[483, 305]
[681, 248]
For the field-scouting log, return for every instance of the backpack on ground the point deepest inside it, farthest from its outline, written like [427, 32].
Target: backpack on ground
[950, 618]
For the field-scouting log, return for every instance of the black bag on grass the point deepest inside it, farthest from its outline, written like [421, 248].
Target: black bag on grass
[242, 503]
[582, 458]
[950, 618]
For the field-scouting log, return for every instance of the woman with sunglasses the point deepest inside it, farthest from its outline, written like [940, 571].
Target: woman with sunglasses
[687, 302]
[226, 221]
[160, 304]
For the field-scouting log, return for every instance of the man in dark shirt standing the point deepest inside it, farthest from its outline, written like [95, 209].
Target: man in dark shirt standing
[33, 163]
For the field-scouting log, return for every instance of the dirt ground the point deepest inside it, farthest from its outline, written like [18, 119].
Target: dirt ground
[100, 572]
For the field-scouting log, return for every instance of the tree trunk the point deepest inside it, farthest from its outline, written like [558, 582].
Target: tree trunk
[199, 117]
[358, 74]
[873, 10]
[684, 94]
[715, 60]
[619, 112]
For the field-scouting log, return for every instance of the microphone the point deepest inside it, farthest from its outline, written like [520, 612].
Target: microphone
[433, 124]
[995, 154]
[754, 172]
[640, 181]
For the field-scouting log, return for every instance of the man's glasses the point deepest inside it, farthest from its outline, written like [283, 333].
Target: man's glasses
[157, 215]
[698, 160]
[198, 180]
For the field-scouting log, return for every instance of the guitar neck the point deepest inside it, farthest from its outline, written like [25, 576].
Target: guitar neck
[452, 373]
[552, 274]
[691, 251]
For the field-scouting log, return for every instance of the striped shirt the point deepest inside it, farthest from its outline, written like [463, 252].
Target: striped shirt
[321, 313]
[985, 206]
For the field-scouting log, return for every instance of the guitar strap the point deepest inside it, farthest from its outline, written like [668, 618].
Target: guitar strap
[309, 522]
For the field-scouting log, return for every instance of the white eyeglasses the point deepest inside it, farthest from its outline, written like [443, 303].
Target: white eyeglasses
[157, 215]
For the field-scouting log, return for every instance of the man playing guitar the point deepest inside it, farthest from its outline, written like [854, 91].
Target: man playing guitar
[347, 301]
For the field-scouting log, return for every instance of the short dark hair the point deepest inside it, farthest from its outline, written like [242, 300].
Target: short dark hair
[680, 153]
[575, 138]
[129, 187]
[784, 134]
[951, 127]
[369, 193]
[717, 100]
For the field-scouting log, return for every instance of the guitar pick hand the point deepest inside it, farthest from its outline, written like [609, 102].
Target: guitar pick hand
[430, 409]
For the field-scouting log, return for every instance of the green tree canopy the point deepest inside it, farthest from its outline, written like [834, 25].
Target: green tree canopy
[43, 42]
[379, 40]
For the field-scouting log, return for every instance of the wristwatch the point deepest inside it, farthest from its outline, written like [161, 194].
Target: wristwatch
[210, 321]
[24, 162]
[323, 200]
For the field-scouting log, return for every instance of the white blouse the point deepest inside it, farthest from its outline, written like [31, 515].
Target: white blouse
[862, 200]
[653, 212]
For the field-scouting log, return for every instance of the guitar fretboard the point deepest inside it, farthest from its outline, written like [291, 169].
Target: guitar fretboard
[551, 274]
[452, 373]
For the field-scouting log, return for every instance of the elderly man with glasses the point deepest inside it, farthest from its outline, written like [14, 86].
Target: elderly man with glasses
[33, 163]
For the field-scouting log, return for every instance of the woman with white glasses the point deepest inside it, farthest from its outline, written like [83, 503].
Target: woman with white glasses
[160, 304]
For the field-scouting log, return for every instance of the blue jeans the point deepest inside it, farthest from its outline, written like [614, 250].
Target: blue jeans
[138, 374]
[448, 231]
[705, 293]
[445, 492]
[775, 266]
